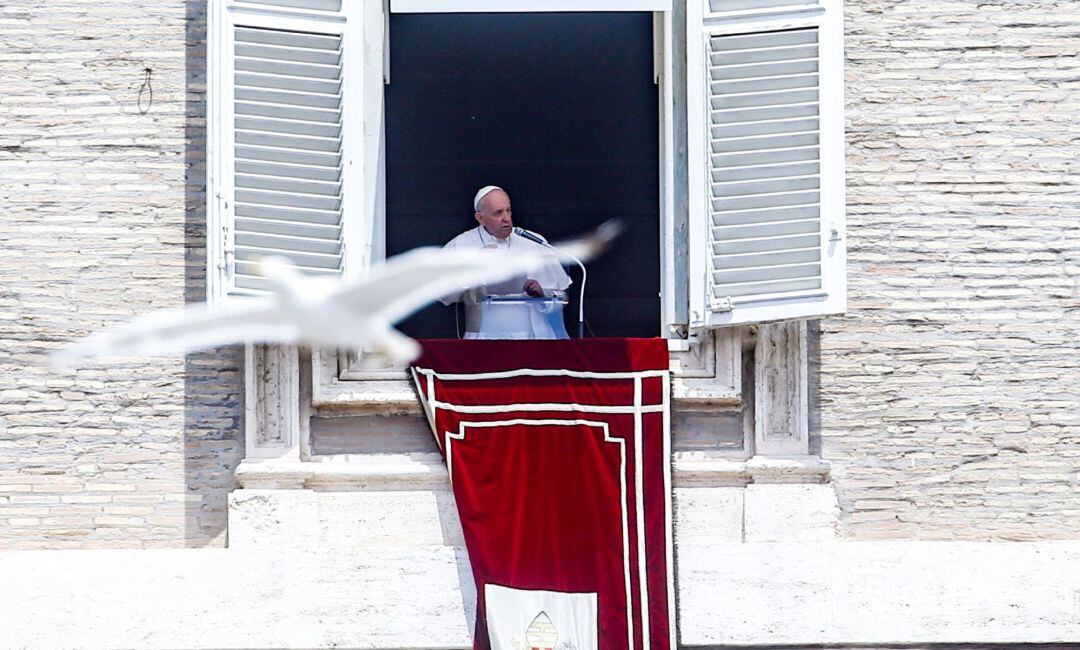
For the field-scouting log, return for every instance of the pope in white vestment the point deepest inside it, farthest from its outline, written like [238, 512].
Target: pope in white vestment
[507, 318]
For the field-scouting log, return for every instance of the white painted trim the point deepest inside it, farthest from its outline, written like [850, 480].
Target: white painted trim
[395, 472]
[545, 407]
[541, 372]
[220, 154]
[214, 175]
[642, 581]
[354, 185]
[697, 161]
[639, 495]
[833, 182]
[367, 232]
[668, 514]
[520, 6]
[662, 44]
[285, 13]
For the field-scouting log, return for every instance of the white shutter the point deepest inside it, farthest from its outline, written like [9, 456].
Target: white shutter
[278, 142]
[766, 151]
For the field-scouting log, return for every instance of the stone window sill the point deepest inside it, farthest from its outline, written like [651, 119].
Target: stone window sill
[393, 472]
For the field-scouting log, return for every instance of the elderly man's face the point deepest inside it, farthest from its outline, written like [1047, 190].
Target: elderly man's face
[495, 214]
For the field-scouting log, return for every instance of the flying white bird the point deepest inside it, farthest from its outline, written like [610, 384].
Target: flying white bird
[321, 312]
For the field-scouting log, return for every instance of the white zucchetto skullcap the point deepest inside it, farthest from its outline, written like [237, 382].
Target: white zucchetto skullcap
[482, 193]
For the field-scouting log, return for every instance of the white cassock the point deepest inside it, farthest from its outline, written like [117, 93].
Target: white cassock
[515, 321]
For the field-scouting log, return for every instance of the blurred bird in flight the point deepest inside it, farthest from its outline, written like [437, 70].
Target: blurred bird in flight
[355, 315]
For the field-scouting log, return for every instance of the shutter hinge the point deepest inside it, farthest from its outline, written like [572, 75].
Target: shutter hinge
[834, 234]
[720, 304]
[228, 258]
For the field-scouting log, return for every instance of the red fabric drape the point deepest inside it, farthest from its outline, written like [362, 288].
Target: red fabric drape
[558, 453]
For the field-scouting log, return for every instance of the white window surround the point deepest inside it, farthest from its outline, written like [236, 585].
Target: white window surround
[705, 367]
[705, 371]
[523, 6]
[686, 301]
[278, 438]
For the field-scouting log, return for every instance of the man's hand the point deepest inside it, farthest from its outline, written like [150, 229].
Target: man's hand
[533, 288]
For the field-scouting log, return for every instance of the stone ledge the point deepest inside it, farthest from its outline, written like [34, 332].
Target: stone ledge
[700, 469]
[427, 471]
[839, 593]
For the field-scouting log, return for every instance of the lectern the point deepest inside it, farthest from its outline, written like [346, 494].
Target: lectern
[517, 316]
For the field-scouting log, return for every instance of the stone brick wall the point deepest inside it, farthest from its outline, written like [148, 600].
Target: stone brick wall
[103, 218]
[950, 392]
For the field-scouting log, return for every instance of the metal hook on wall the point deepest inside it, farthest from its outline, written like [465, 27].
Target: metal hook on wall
[146, 87]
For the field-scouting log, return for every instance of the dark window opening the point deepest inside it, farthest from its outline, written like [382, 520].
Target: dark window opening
[561, 110]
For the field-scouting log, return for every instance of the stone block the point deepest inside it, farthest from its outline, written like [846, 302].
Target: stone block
[790, 512]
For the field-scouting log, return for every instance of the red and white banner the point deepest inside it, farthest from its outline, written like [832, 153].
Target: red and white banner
[558, 453]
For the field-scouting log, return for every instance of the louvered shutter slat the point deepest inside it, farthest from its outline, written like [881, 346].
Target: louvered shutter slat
[294, 84]
[293, 127]
[283, 69]
[765, 157]
[315, 158]
[770, 272]
[270, 139]
[759, 143]
[751, 231]
[786, 68]
[288, 55]
[765, 127]
[278, 184]
[293, 244]
[774, 243]
[754, 260]
[765, 113]
[738, 289]
[768, 186]
[770, 171]
[313, 5]
[273, 212]
[746, 217]
[743, 5]
[300, 259]
[312, 172]
[287, 38]
[723, 205]
[290, 228]
[764, 84]
[770, 98]
[288, 199]
[282, 97]
[287, 111]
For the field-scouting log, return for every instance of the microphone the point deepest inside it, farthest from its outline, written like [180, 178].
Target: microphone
[533, 237]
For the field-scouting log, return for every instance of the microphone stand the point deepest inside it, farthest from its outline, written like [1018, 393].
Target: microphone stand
[533, 237]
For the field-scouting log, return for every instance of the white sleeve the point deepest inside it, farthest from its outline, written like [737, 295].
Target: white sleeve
[451, 298]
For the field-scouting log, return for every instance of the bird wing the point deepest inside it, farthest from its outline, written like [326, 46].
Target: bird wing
[409, 281]
[185, 329]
